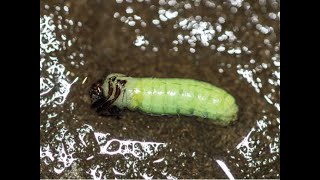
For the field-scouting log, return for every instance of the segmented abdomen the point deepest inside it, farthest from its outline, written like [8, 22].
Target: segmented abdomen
[180, 96]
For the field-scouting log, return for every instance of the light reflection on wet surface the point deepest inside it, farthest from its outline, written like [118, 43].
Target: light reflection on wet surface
[234, 44]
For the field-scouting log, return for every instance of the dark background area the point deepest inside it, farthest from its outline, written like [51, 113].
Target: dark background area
[232, 44]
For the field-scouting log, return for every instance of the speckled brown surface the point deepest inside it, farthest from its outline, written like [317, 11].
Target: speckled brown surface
[101, 43]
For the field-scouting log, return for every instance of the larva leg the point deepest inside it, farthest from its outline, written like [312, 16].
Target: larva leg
[107, 110]
[115, 111]
[99, 103]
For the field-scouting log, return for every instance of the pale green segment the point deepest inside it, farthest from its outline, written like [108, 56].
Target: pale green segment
[178, 96]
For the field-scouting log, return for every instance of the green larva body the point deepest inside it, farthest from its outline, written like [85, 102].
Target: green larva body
[171, 96]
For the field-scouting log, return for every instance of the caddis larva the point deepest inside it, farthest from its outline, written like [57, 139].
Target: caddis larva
[163, 96]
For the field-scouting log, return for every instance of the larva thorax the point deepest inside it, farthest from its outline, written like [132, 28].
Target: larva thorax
[114, 87]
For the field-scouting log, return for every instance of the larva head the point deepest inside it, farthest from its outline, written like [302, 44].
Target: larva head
[102, 102]
[104, 93]
[96, 92]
